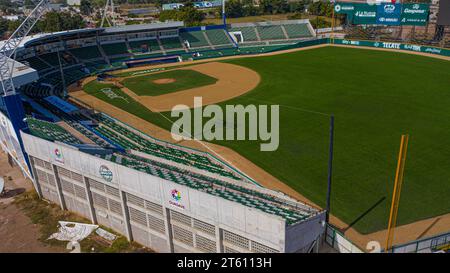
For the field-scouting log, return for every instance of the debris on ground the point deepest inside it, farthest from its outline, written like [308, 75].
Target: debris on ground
[73, 231]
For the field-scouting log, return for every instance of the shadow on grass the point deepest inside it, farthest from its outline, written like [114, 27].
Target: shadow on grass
[359, 218]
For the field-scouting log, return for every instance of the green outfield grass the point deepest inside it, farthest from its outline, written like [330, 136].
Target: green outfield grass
[184, 79]
[375, 96]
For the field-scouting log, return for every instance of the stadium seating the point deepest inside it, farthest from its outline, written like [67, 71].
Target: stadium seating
[36, 63]
[297, 30]
[195, 38]
[50, 131]
[152, 45]
[218, 37]
[130, 140]
[249, 33]
[84, 53]
[228, 191]
[271, 32]
[115, 49]
[171, 43]
[52, 58]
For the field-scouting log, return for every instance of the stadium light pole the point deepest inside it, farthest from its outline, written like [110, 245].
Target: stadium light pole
[330, 167]
[224, 18]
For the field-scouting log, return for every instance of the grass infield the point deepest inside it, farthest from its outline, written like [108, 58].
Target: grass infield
[375, 96]
[184, 79]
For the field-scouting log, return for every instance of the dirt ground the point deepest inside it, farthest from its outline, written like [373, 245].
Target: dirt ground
[17, 233]
[164, 81]
[405, 233]
[232, 81]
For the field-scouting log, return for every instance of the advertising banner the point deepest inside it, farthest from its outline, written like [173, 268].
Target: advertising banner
[389, 14]
[415, 14]
[365, 14]
[391, 45]
[384, 13]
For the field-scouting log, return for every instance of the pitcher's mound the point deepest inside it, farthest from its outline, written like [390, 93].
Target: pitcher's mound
[164, 81]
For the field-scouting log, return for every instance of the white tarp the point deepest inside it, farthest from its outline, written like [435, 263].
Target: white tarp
[72, 231]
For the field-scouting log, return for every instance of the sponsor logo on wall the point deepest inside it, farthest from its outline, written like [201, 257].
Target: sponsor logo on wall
[391, 45]
[413, 47]
[176, 199]
[58, 156]
[105, 173]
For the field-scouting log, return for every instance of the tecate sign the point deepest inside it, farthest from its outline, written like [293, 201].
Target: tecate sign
[391, 45]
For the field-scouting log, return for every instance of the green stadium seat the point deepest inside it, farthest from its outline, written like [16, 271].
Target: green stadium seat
[115, 49]
[271, 32]
[195, 38]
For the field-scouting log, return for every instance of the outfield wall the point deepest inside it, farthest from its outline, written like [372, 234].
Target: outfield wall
[393, 45]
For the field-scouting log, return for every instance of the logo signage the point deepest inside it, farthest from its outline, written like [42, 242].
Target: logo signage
[176, 199]
[58, 156]
[388, 14]
[106, 173]
[384, 13]
[415, 14]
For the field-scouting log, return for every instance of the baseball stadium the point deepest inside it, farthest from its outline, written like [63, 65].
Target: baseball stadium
[86, 114]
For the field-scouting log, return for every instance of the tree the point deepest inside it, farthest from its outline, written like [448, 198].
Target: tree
[58, 21]
[3, 27]
[85, 7]
[28, 4]
[189, 14]
[274, 6]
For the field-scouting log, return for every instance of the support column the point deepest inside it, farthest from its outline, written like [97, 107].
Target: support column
[219, 240]
[36, 185]
[126, 216]
[169, 235]
[90, 202]
[62, 202]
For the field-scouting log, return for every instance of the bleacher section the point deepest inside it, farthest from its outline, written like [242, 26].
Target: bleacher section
[219, 188]
[50, 131]
[115, 49]
[37, 64]
[85, 53]
[137, 46]
[130, 140]
[297, 30]
[195, 38]
[218, 37]
[171, 43]
[249, 33]
[270, 32]
[52, 58]
[277, 32]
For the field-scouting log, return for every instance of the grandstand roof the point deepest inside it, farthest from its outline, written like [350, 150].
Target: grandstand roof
[56, 36]
[44, 38]
[61, 104]
[21, 73]
[152, 26]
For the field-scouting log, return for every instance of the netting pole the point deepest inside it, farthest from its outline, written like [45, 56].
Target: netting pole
[330, 168]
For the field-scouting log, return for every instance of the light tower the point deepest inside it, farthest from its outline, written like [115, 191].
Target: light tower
[109, 6]
[10, 101]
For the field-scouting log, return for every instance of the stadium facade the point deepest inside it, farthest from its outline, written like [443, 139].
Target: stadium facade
[168, 208]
